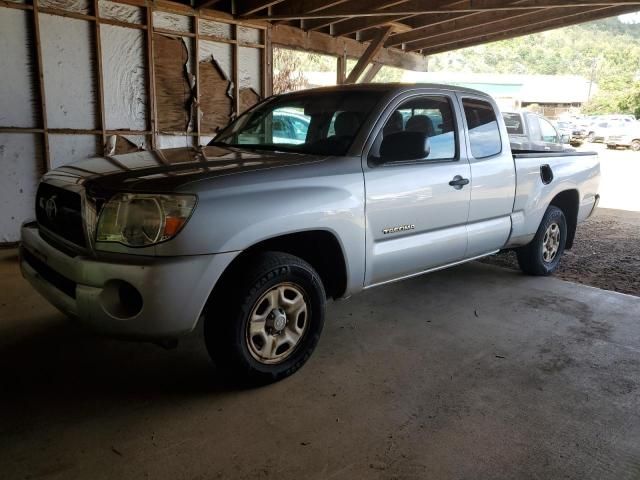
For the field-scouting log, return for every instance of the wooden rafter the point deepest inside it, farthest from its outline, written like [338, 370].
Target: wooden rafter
[353, 9]
[369, 54]
[507, 33]
[252, 6]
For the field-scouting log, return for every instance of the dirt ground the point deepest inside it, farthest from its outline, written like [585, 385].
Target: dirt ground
[606, 253]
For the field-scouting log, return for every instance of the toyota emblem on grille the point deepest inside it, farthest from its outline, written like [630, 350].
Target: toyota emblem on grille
[50, 208]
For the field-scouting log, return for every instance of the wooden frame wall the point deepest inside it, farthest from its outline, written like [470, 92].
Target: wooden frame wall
[149, 7]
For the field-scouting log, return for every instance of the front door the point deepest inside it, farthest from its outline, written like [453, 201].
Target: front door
[416, 211]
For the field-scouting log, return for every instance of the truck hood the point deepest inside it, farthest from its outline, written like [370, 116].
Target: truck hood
[169, 169]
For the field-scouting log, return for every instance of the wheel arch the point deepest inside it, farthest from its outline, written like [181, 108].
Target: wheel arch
[320, 248]
[569, 202]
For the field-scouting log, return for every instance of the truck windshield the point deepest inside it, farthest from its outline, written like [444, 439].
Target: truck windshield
[323, 123]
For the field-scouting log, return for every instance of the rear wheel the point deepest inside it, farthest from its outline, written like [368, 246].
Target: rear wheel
[542, 255]
[267, 323]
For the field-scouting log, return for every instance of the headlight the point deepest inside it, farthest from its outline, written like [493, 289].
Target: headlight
[139, 220]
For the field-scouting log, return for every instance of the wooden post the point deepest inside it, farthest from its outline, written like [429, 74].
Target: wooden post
[196, 26]
[341, 69]
[235, 73]
[43, 98]
[100, 82]
[152, 111]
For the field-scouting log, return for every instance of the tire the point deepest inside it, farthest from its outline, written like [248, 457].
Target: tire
[591, 137]
[635, 146]
[535, 258]
[285, 297]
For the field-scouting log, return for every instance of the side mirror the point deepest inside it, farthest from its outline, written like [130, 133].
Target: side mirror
[404, 146]
[565, 138]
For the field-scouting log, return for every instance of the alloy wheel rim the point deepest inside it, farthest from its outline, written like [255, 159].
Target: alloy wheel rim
[551, 243]
[277, 323]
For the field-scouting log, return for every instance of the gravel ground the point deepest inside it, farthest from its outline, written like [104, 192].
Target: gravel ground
[606, 253]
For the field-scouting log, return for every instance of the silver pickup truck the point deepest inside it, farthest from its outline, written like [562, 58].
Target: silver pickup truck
[254, 232]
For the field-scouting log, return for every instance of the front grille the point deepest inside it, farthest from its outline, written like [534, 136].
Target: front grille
[60, 211]
[62, 283]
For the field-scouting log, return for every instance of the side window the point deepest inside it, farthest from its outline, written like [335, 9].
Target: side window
[484, 133]
[549, 133]
[431, 115]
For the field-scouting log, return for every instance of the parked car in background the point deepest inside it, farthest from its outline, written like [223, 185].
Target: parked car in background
[530, 131]
[604, 124]
[565, 129]
[627, 136]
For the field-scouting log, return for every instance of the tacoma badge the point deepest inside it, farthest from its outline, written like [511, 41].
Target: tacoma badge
[401, 228]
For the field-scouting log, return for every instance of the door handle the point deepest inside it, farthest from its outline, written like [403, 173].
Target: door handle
[458, 182]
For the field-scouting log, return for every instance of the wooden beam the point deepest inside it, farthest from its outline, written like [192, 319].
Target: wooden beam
[206, 3]
[152, 120]
[353, 9]
[247, 7]
[369, 54]
[341, 69]
[372, 72]
[477, 25]
[326, 21]
[585, 16]
[417, 21]
[99, 79]
[43, 97]
[296, 39]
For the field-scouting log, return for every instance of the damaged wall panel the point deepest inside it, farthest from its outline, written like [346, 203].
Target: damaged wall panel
[249, 76]
[121, 12]
[174, 94]
[216, 92]
[65, 149]
[18, 94]
[69, 72]
[124, 78]
[21, 160]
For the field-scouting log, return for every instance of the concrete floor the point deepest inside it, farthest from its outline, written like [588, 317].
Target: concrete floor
[476, 372]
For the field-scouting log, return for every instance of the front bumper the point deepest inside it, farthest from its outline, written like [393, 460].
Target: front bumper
[171, 291]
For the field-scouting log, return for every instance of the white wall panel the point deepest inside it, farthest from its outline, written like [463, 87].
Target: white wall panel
[250, 68]
[65, 149]
[18, 96]
[121, 12]
[124, 73]
[69, 79]
[21, 160]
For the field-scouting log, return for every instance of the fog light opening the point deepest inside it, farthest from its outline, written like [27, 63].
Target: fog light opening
[121, 299]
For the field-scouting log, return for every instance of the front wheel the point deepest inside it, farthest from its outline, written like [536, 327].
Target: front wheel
[635, 145]
[542, 255]
[591, 137]
[266, 324]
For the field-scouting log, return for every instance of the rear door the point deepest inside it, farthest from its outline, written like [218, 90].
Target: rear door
[416, 220]
[493, 180]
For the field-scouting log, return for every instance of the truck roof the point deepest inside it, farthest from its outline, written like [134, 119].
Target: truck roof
[388, 88]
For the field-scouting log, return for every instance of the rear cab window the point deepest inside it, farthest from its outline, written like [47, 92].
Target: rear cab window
[484, 131]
